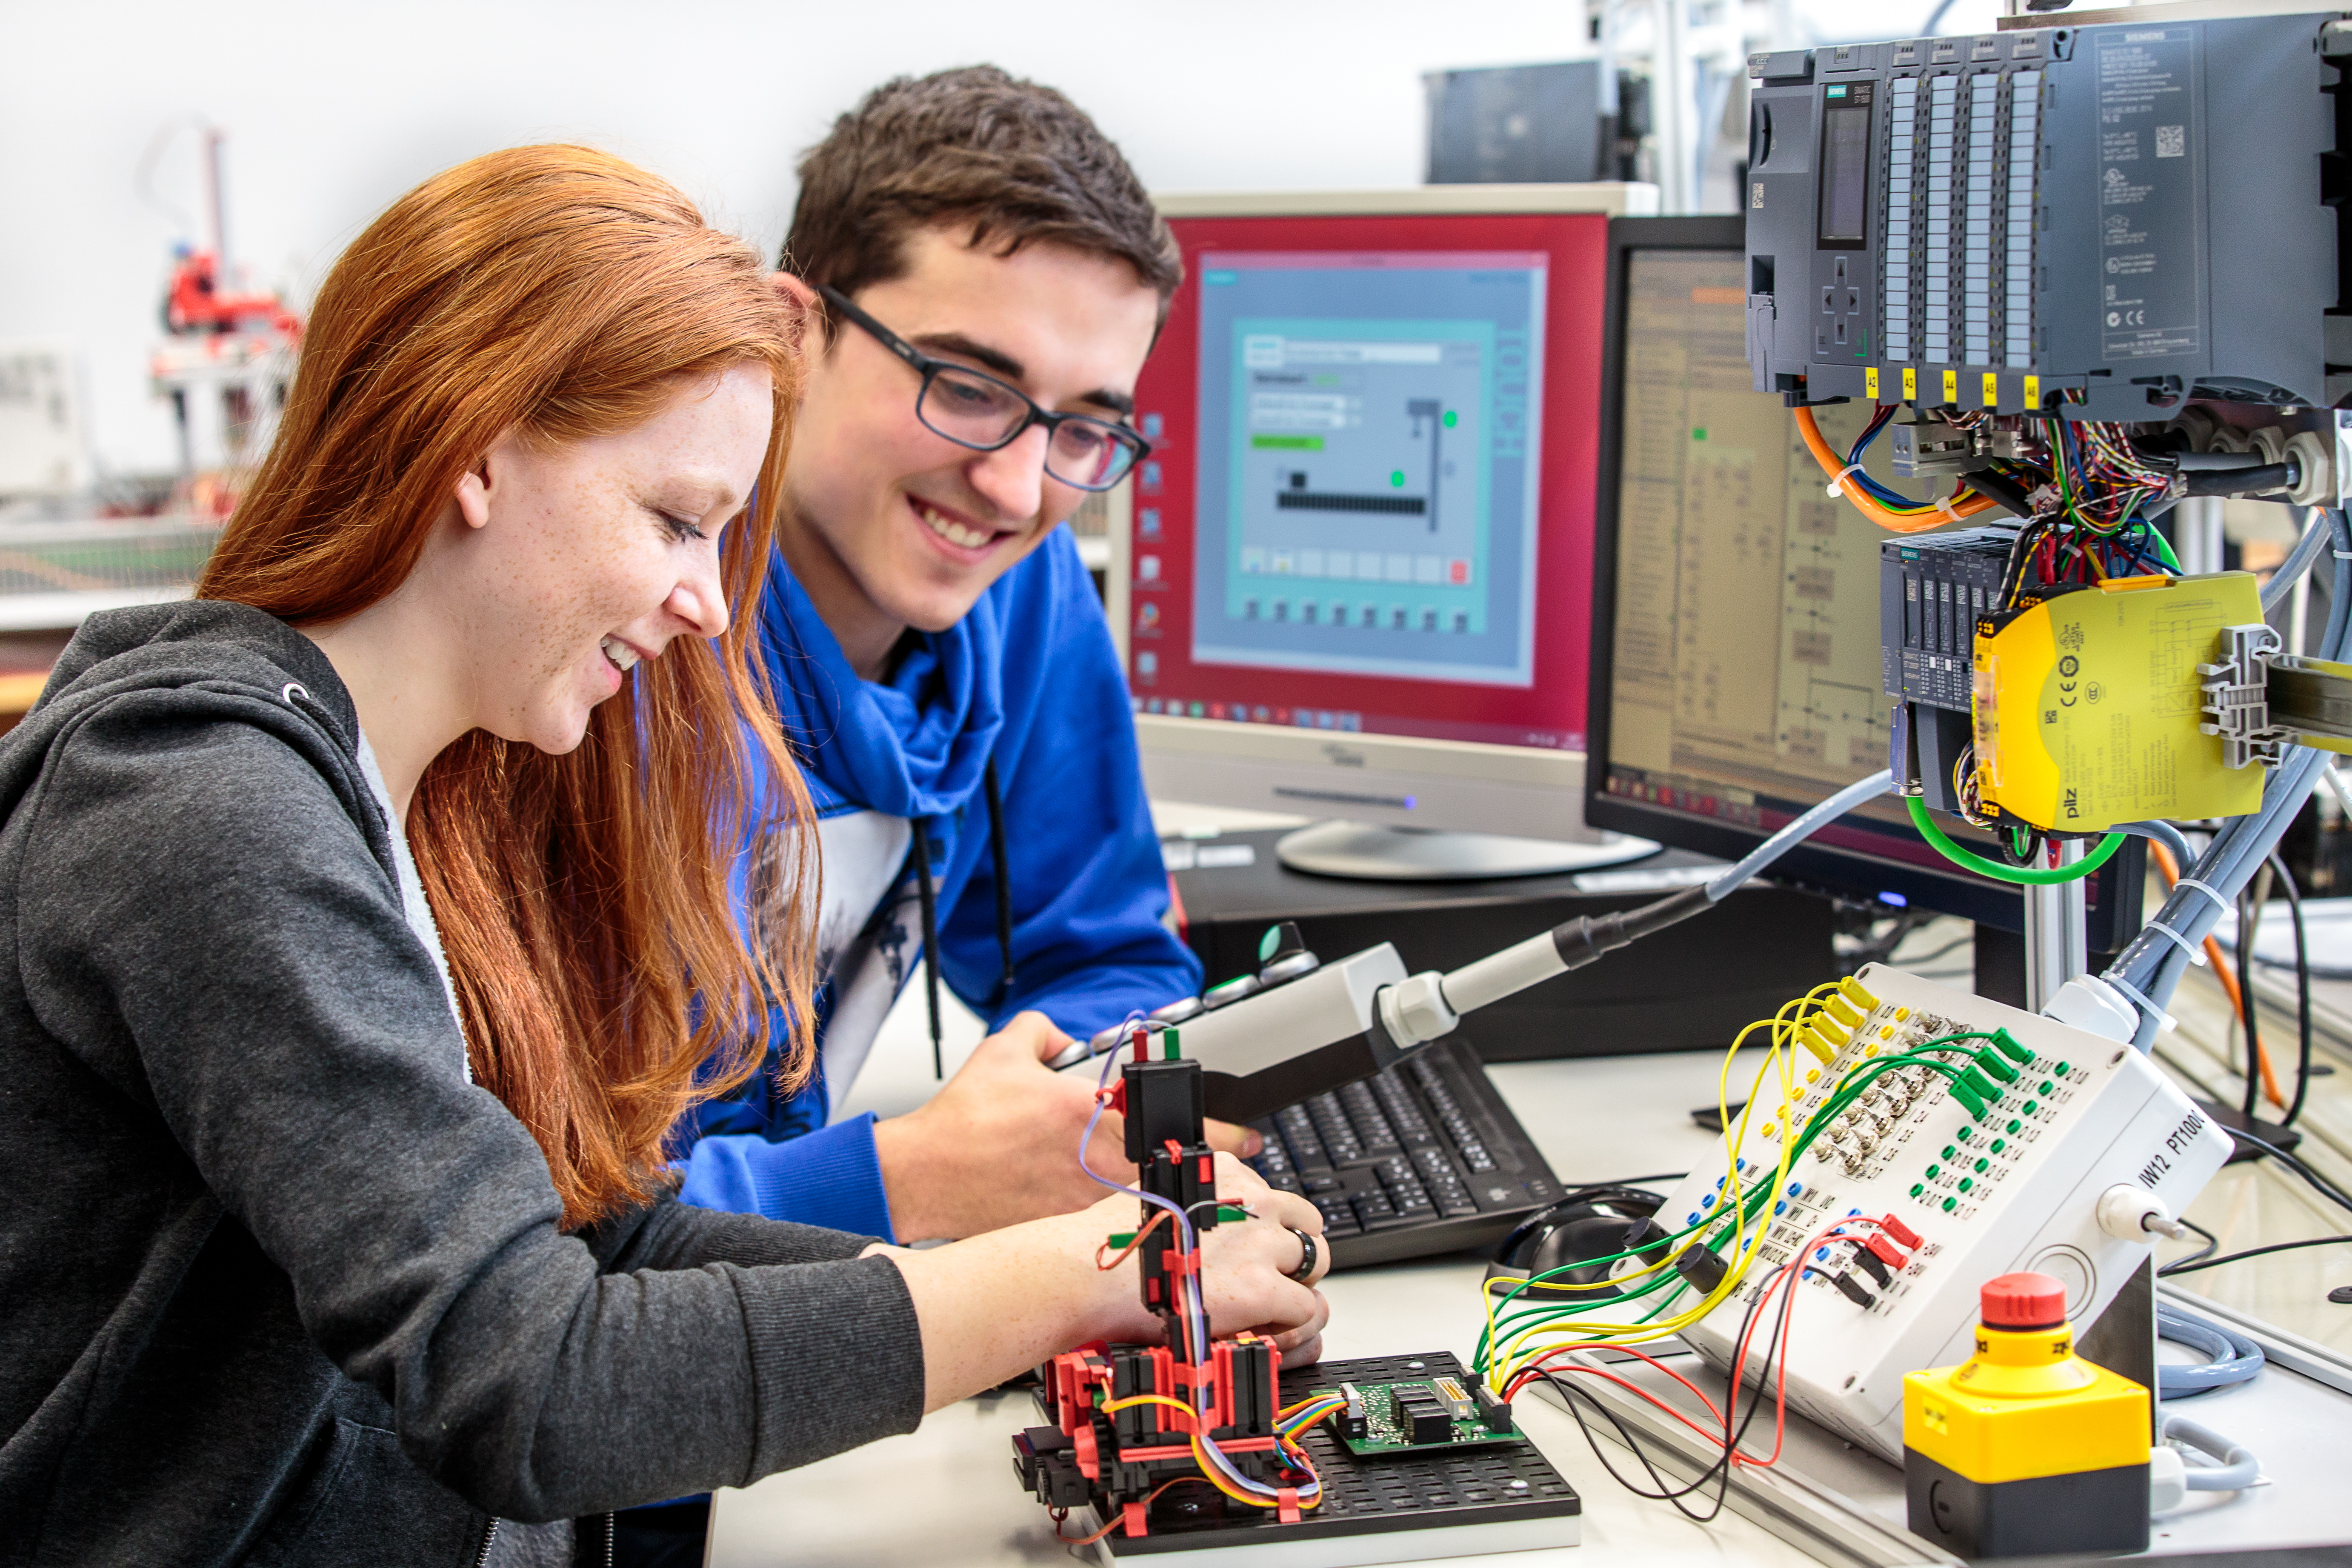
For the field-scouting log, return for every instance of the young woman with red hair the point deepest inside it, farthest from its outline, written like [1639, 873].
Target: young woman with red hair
[333, 1223]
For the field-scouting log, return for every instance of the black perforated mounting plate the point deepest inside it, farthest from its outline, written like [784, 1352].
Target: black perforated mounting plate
[1462, 1489]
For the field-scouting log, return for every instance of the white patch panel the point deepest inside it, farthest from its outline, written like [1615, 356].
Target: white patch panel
[2015, 1187]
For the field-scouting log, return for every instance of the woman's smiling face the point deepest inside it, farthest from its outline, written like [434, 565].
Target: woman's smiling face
[579, 559]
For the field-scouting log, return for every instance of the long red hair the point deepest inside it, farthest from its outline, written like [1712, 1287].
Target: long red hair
[604, 976]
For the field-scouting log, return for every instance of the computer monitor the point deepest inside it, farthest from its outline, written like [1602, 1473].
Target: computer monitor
[1735, 675]
[1361, 552]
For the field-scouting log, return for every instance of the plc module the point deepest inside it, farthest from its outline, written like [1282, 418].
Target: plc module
[2104, 220]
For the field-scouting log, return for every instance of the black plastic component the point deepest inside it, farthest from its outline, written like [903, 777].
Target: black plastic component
[1495, 1412]
[1701, 1267]
[1160, 1106]
[1872, 1266]
[2089, 1510]
[1420, 1416]
[1852, 1290]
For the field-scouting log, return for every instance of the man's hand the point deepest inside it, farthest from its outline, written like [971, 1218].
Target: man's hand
[1000, 1144]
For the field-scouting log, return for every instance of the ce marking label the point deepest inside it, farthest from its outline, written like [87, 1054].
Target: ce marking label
[2068, 669]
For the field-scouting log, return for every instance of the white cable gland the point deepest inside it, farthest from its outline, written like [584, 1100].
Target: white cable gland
[2090, 1003]
[2131, 1213]
[1415, 1010]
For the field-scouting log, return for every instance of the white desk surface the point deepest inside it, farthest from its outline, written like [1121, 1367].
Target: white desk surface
[946, 1493]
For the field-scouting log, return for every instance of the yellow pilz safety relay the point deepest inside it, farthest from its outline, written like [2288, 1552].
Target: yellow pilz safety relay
[2025, 1447]
[2087, 704]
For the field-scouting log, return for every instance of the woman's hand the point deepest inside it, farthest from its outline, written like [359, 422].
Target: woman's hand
[1245, 1267]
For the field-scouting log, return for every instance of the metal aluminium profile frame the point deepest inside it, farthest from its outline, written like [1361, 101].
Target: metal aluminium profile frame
[1809, 1516]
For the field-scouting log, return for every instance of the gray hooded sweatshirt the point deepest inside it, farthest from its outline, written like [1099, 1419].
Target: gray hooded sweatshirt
[277, 1284]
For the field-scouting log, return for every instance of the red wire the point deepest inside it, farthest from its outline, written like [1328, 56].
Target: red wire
[1725, 1416]
[1788, 1271]
[1626, 1384]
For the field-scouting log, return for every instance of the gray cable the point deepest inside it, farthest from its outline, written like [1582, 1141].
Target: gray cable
[2163, 833]
[1797, 832]
[2237, 1469]
[2298, 562]
[2230, 1357]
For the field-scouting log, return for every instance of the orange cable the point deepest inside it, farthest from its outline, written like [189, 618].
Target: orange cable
[1893, 521]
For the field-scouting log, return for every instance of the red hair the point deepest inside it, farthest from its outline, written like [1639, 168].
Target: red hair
[604, 975]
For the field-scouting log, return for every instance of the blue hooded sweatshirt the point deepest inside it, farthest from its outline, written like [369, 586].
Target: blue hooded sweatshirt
[1029, 680]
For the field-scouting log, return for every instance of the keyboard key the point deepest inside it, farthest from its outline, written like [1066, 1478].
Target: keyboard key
[1413, 1202]
[1323, 1183]
[1412, 1128]
[1433, 1165]
[1306, 1151]
[1339, 1219]
[1374, 1208]
[1371, 1123]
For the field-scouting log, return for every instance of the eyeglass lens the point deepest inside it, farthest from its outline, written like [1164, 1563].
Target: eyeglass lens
[982, 412]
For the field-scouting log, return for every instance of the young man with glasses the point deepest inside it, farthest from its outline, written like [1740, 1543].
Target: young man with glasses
[989, 276]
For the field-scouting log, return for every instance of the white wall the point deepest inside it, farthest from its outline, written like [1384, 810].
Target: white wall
[333, 110]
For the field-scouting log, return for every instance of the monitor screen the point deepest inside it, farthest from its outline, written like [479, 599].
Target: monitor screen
[1370, 505]
[1737, 672]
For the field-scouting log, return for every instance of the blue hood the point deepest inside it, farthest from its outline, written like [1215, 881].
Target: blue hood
[915, 747]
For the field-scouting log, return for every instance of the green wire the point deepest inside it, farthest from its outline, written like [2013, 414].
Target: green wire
[1968, 859]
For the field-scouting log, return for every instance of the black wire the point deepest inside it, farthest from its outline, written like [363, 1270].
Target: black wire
[2301, 987]
[2319, 1182]
[1720, 1470]
[2246, 1005]
[2252, 1252]
[2198, 1256]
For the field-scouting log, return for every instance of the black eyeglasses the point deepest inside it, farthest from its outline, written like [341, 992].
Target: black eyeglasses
[976, 410]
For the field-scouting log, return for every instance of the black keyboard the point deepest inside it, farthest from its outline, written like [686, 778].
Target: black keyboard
[1422, 1158]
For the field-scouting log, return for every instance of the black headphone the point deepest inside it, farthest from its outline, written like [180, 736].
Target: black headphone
[1606, 1219]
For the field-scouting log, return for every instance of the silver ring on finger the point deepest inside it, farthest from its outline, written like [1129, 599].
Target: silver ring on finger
[1309, 1254]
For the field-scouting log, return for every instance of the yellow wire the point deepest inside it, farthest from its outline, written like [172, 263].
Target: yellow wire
[1132, 1400]
[1112, 1407]
[1505, 1359]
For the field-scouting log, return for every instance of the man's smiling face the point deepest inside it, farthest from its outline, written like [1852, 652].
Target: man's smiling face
[889, 525]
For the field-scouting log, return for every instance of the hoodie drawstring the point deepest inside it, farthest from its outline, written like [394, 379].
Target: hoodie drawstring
[925, 901]
[1004, 880]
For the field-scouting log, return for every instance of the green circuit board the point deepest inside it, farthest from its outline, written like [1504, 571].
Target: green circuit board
[1385, 1431]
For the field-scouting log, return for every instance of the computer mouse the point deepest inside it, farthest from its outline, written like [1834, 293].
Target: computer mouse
[1568, 1248]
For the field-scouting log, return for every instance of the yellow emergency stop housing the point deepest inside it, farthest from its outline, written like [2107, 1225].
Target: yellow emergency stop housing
[2026, 1448]
[2087, 703]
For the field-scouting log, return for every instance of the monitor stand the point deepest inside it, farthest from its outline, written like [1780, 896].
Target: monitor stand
[1372, 852]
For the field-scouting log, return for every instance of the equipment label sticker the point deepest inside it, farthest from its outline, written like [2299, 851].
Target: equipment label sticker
[2148, 195]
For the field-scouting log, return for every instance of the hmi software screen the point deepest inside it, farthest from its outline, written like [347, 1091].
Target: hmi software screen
[1370, 447]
